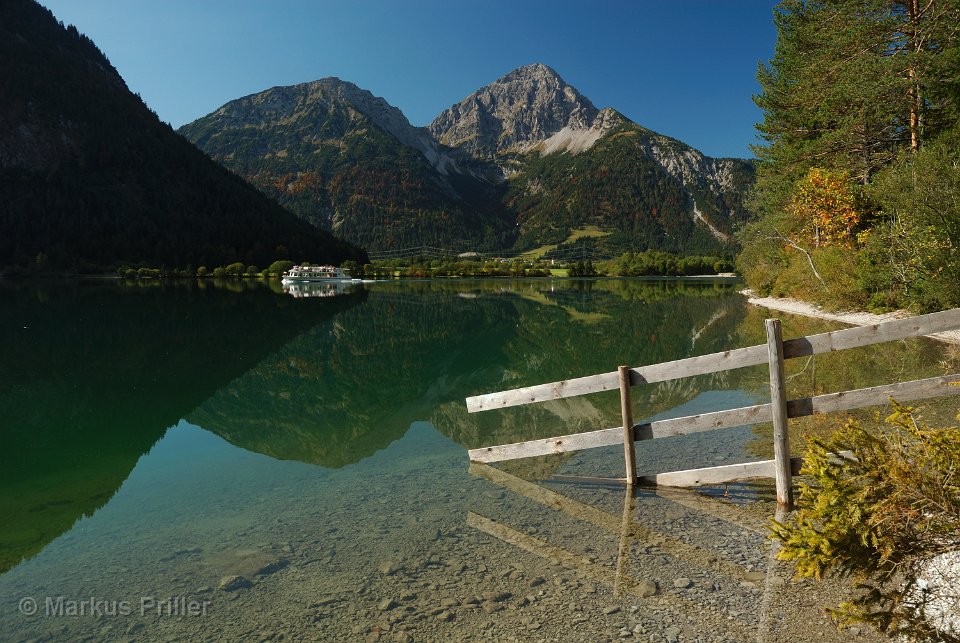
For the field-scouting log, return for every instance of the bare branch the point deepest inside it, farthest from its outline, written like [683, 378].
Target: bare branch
[807, 254]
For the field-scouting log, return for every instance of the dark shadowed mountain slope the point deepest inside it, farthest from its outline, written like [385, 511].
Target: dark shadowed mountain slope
[90, 177]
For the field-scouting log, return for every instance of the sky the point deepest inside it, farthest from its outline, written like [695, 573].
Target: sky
[684, 68]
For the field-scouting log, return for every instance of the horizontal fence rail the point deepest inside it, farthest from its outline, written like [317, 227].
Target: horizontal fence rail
[721, 474]
[727, 360]
[743, 416]
[778, 411]
[728, 472]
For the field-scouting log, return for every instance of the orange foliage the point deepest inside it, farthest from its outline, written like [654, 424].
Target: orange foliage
[826, 204]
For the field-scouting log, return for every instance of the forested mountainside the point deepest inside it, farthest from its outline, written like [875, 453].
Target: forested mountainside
[347, 161]
[645, 190]
[91, 178]
[522, 162]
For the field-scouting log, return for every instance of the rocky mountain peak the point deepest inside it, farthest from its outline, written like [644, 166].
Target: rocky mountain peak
[307, 106]
[535, 70]
[302, 101]
[383, 114]
[514, 113]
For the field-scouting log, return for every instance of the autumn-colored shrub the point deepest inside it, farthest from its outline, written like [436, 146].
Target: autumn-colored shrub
[825, 206]
[878, 517]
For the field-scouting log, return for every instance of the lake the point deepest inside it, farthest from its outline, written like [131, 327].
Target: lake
[193, 461]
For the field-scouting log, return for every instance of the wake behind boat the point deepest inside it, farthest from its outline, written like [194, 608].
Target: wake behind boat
[315, 273]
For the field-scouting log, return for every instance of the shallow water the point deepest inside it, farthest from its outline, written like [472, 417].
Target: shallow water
[158, 441]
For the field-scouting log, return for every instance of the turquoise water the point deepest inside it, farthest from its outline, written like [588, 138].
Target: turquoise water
[188, 462]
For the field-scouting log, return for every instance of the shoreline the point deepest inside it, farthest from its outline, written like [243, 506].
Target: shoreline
[941, 571]
[853, 318]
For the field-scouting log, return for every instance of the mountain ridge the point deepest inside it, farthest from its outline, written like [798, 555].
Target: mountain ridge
[494, 159]
[378, 110]
[349, 162]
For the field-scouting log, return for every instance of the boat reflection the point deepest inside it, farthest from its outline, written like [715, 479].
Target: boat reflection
[305, 289]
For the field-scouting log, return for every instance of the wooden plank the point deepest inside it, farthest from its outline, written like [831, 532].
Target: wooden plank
[874, 396]
[608, 437]
[726, 473]
[778, 413]
[726, 360]
[626, 412]
[743, 416]
[544, 392]
[874, 334]
[717, 475]
[547, 446]
[699, 365]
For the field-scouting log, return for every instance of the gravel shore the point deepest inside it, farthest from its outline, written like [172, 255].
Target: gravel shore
[854, 318]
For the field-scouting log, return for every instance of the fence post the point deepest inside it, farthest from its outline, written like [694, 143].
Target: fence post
[778, 404]
[629, 454]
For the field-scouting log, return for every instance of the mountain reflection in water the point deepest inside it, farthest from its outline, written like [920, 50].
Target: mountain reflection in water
[349, 413]
[92, 375]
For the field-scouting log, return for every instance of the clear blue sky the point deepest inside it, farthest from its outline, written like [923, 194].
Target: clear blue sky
[684, 68]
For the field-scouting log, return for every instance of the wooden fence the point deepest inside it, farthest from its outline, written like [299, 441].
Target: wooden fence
[779, 410]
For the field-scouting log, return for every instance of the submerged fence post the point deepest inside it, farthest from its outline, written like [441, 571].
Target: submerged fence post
[629, 454]
[778, 404]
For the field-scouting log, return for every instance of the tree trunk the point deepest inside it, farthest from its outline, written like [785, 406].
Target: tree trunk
[913, 13]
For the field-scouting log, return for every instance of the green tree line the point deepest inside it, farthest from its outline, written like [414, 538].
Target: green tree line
[857, 198]
[631, 264]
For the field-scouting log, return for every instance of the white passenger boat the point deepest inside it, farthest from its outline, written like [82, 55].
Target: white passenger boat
[315, 273]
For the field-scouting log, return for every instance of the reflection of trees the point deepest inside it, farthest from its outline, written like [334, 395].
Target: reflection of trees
[415, 350]
[641, 325]
[91, 376]
[350, 387]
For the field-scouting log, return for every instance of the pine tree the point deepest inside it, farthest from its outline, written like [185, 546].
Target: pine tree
[854, 87]
[851, 83]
